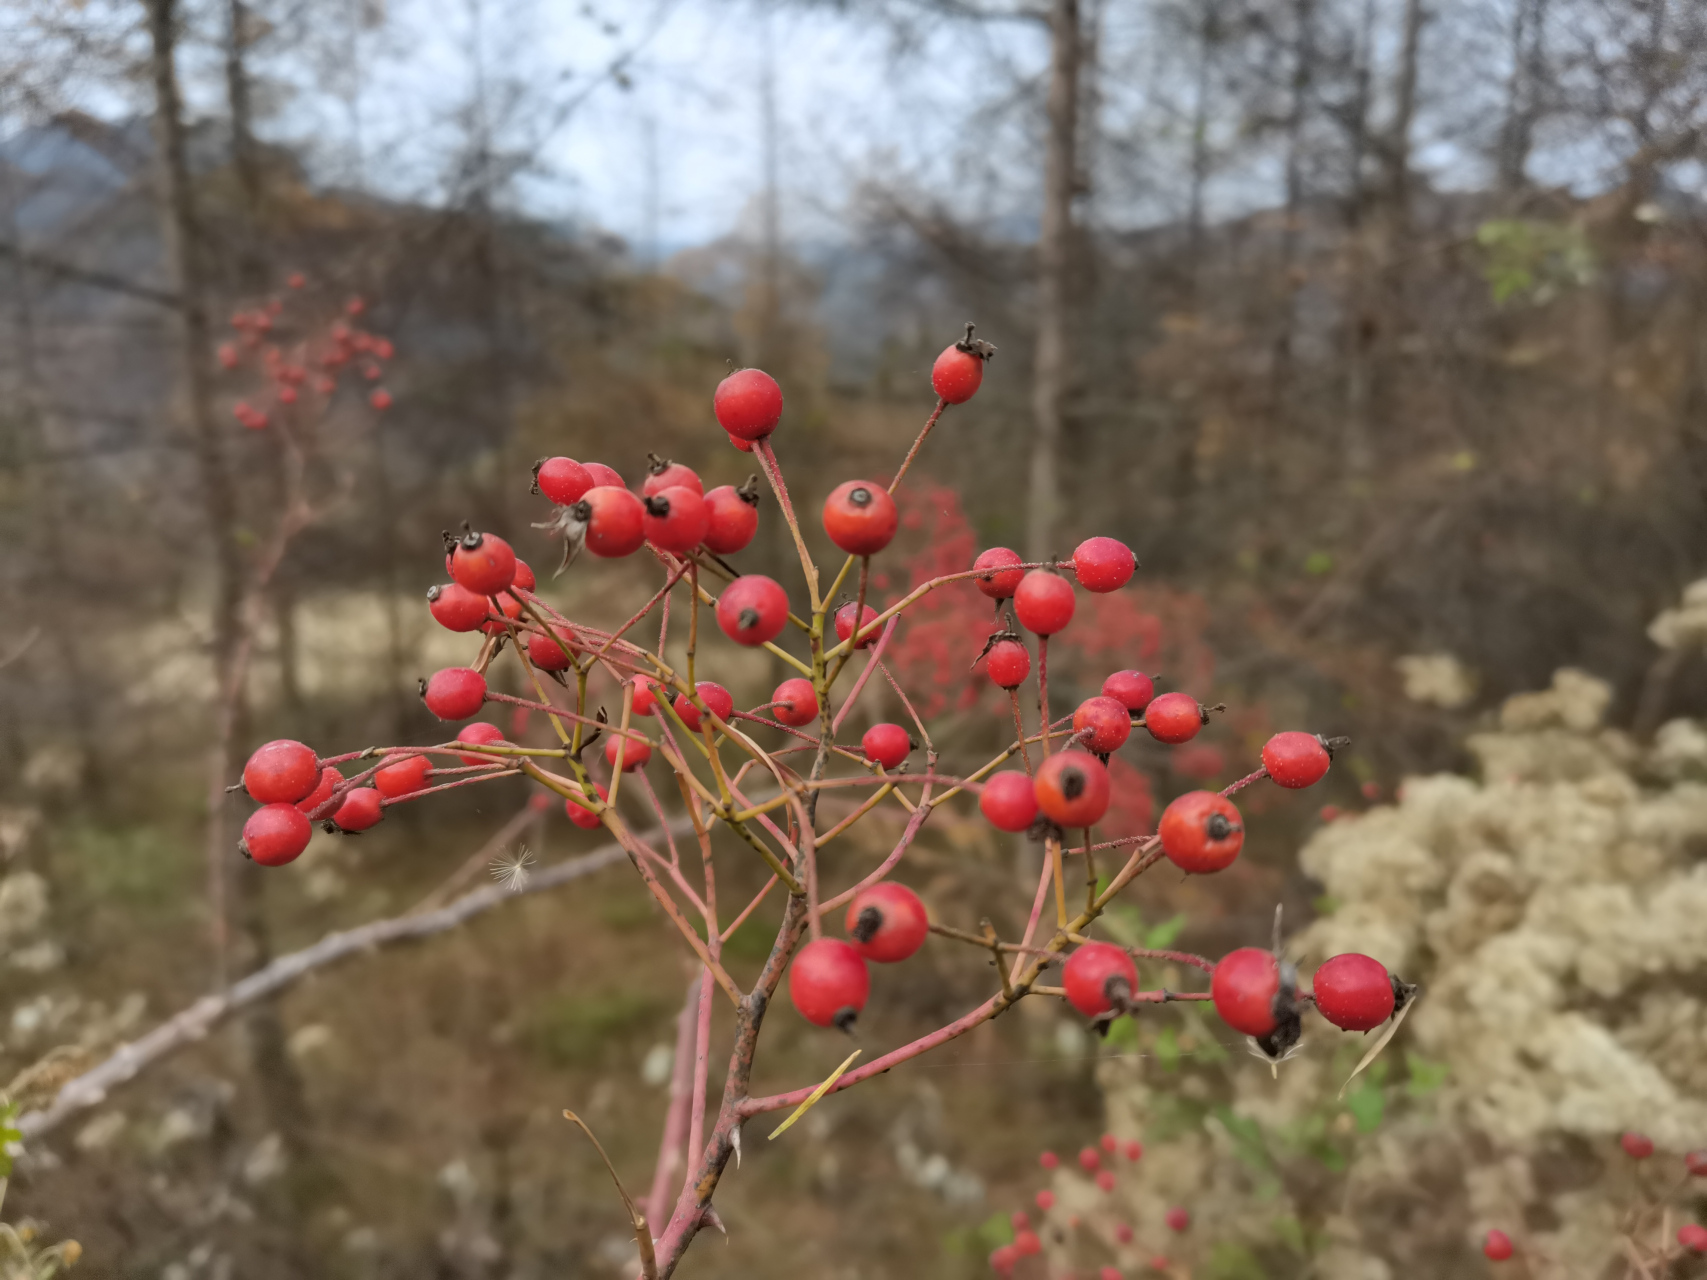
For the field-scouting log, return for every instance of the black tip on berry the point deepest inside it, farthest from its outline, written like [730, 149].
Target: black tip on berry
[860, 497]
[975, 346]
[330, 827]
[866, 927]
[537, 464]
[243, 848]
[1118, 992]
[1216, 827]
[749, 492]
[582, 511]
[1331, 745]
[434, 592]
[657, 505]
[1285, 1036]
[470, 540]
[421, 687]
[748, 620]
[1403, 992]
[450, 539]
[844, 1019]
[655, 465]
[1072, 783]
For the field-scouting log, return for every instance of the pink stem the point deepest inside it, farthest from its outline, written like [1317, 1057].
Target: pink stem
[912, 453]
[870, 666]
[701, 1066]
[681, 1096]
[1043, 688]
[908, 834]
[1036, 915]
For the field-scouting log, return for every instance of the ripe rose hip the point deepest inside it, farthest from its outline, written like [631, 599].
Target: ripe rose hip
[887, 922]
[645, 695]
[1109, 723]
[860, 517]
[1009, 801]
[663, 474]
[1109, 1143]
[1089, 1160]
[1009, 663]
[845, 624]
[1244, 989]
[634, 753]
[748, 404]
[616, 521]
[675, 520]
[281, 772]
[752, 609]
[732, 517]
[718, 700]
[959, 370]
[276, 834]
[405, 776]
[1178, 1219]
[1638, 1146]
[886, 744]
[1003, 1259]
[524, 579]
[1072, 788]
[329, 780]
[1123, 1233]
[454, 693]
[1001, 578]
[580, 814]
[1113, 1273]
[1497, 1247]
[1044, 602]
[608, 477]
[455, 608]
[1049, 1160]
[828, 983]
[1693, 1237]
[1131, 689]
[546, 653]
[508, 607]
[1105, 1180]
[1026, 1243]
[362, 808]
[483, 562]
[1045, 1201]
[1134, 1151]
[481, 734]
[1354, 992]
[1098, 977]
[1696, 1163]
[1174, 718]
[795, 702]
[380, 399]
[1104, 564]
[1296, 759]
[1019, 1219]
[1201, 832]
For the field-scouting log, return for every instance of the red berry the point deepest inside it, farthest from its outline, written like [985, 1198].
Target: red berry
[752, 609]
[608, 477]
[406, 775]
[1072, 788]
[845, 624]
[645, 695]
[1244, 989]
[1497, 1246]
[887, 922]
[1002, 579]
[1110, 1273]
[281, 772]
[296, 280]
[1089, 1160]
[1104, 564]
[1049, 1160]
[616, 521]
[1201, 832]
[508, 607]
[675, 520]
[1099, 976]
[228, 356]
[563, 480]
[1328, 812]
[634, 752]
[546, 653]
[1174, 718]
[580, 814]
[1026, 1244]
[717, 699]
[1109, 723]
[1131, 689]
[275, 834]
[664, 474]
[1178, 1219]
[1638, 1146]
[456, 608]
[745, 446]
[1134, 1151]
[524, 579]
[1009, 663]
[1693, 1237]
[1044, 602]
[1019, 1220]
[886, 744]
[795, 702]
[1045, 1200]
[1109, 1143]
[1354, 992]
[828, 983]
[748, 404]
[1123, 1233]
[455, 693]
[860, 517]
[287, 394]
[483, 562]
[956, 374]
[1105, 1180]
[329, 780]
[1696, 1163]
[362, 808]
[732, 519]
[1003, 1259]
[1295, 759]
[483, 734]
[380, 399]
[1009, 801]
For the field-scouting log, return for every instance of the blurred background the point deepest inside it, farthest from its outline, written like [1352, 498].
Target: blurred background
[1377, 328]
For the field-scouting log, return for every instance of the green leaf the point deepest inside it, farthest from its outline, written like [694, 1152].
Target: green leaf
[996, 1231]
[10, 1135]
[1122, 1033]
[1367, 1104]
[1317, 563]
[1229, 1261]
[1160, 937]
[1426, 1076]
[1247, 1138]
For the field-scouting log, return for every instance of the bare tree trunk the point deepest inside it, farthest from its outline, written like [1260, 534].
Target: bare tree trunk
[1298, 114]
[1360, 324]
[1208, 35]
[1404, 112]
[1049, 374]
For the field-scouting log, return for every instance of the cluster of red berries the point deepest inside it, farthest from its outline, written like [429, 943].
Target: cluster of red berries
[828, 981]
[312, 365]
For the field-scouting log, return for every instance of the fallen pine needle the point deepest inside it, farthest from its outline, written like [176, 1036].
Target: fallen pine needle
[813, 1097]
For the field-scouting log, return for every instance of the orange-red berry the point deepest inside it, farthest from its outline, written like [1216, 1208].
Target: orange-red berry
[1295, 759]
[1099, 976]
[860, 517]
[1354, 992]
[752, 609]
[1201, 832]
[828, 983]
[795, 702]
[1072, 788]
[1174, 718]
[748, 404]
[1009, 801]
[887, 922]
[1105, 723]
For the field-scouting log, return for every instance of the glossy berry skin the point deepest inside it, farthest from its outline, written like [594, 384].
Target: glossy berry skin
[887, 923]
[1072, 788]
[634, 752]
[1178, 1219]
[483, 562]
[1001, 578]
[886, 744]
[1693, 1237]
[645, 696]
[455, 608]
[616, 521]
[508, 608]
[402, 778]
[1497, 1246]
[664, 474]
[745, 446]
[281, 772]
[1044, 602]
[718, 700]
[482, 734]
[609, 477]
[675, 520]
[748, 404]
[362, 808]
[1696, 1163]
[276, 834]
[563, 480]
[1638, 1146]
[1131, 689]
[828, 983]
[329, 780]
[1173, 718]
[455, 693]
[1109, 723]
[1243, 989]
[860, 517]
[731, 520]
[1009, 663]
[1103, 564]
[582, 816]
[546, 654]
[1201, 832]
[1354, 992]
[795, 702]
[845, 624]
[1009, 801]
[752, 609]
[1295, 759]
[524, 579]
[1093, 976]
[956, 375]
